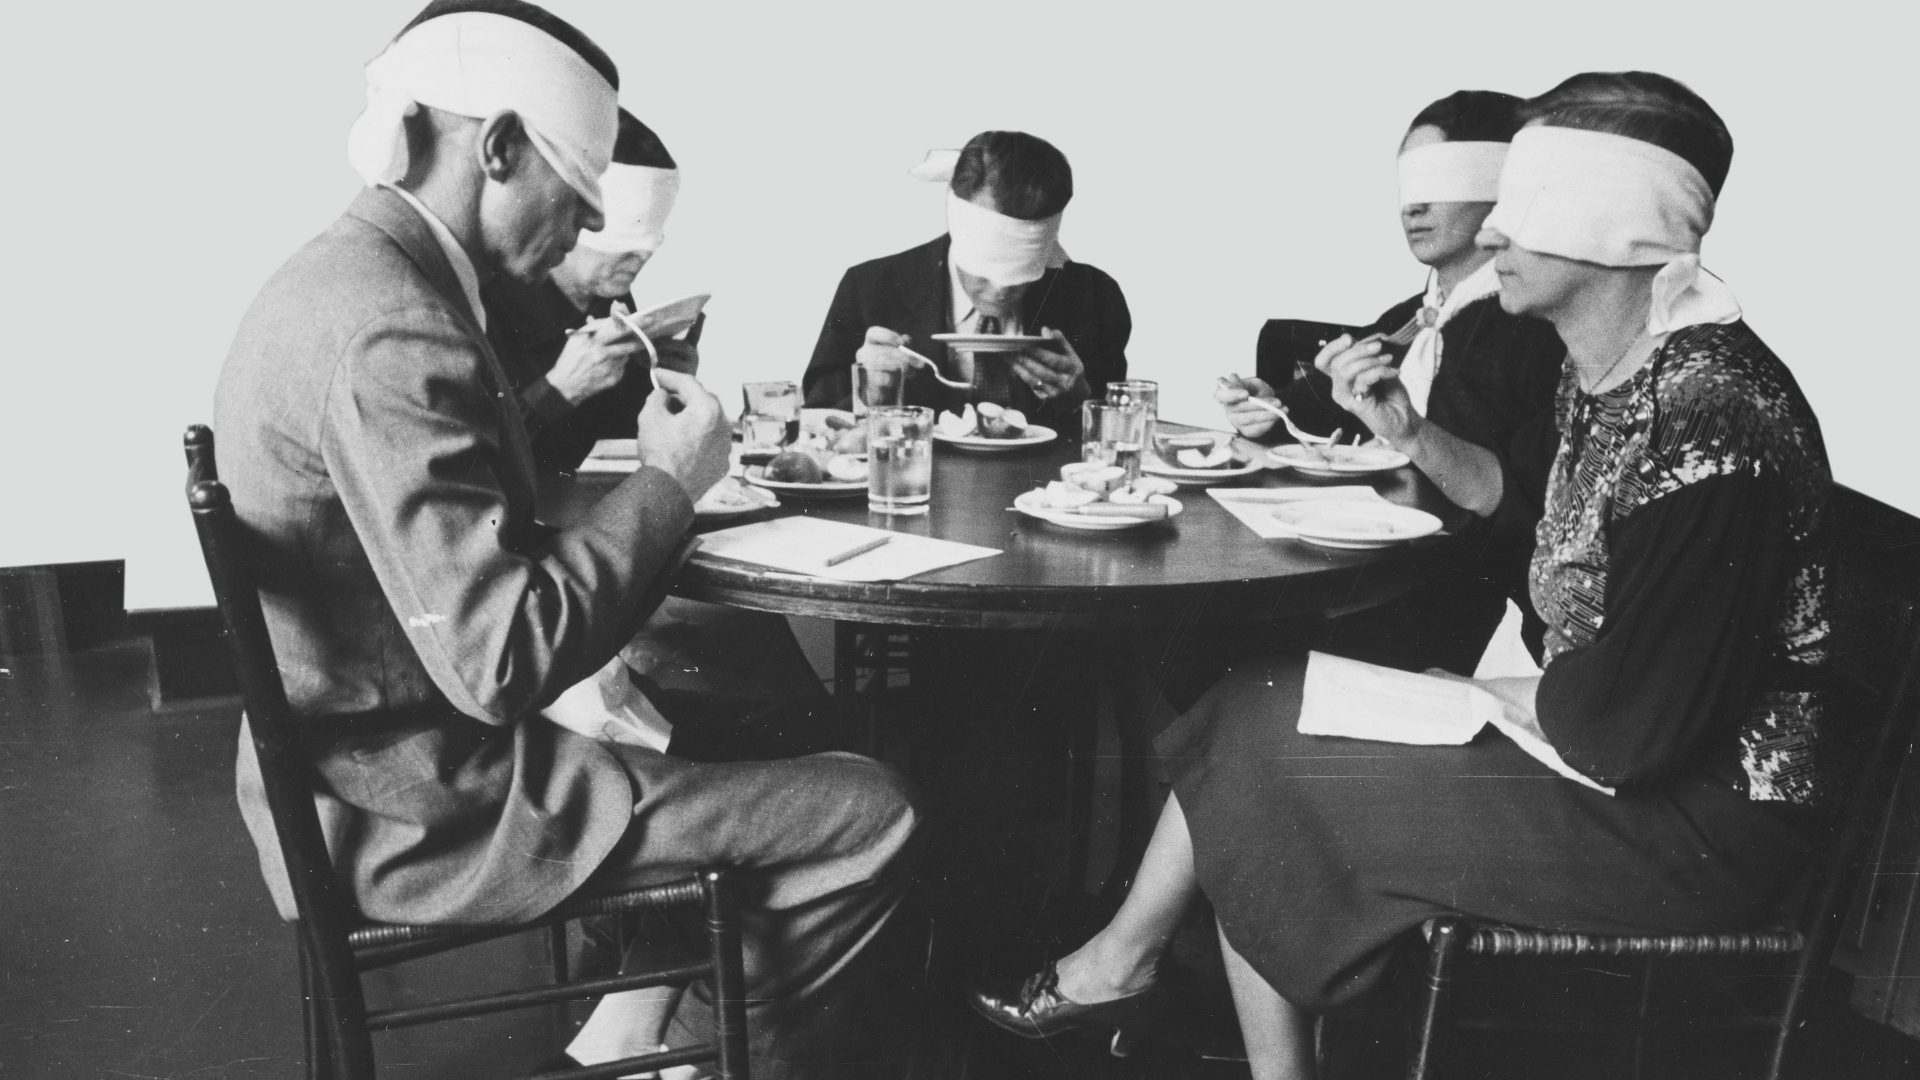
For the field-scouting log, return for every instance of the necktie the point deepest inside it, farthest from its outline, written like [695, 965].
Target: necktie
[990, 370]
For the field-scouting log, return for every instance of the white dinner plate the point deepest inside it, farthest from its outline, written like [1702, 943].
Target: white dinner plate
[1034, 504]
[1355, 524]
[992, 342]
[1180, 474]
[1345, 460]
[1035, 435]
[743, 499]
[826, 489]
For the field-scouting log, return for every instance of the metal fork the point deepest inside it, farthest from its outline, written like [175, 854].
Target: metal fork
[935, 369]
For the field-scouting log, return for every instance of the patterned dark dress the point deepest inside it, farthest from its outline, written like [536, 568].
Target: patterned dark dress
[1679, 568]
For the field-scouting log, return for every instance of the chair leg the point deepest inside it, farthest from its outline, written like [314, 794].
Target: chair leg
[1640, 1016]
[557, 951]
[729, 974]
[319, 1056]
[1442, 949]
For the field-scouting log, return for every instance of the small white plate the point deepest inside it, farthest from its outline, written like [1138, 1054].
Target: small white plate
[1034, 504]
[826, 489]
[669, 319]
[1346, 460]
[1355, 524]
[1035, 435]
[992, 342]
[751, 500]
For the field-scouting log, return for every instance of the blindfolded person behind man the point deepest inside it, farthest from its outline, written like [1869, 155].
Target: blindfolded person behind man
[999, 269]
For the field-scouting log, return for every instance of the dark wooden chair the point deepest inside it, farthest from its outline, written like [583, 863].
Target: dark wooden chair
[337, 945]
[1876, 655]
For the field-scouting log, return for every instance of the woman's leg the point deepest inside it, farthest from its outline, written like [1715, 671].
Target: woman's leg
[1278, 1033]
[1120, 959]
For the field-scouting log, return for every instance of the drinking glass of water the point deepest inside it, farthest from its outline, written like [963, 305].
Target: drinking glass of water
[899, 459]
[769, 420]
[878, 384]
[1144, 391]
[1113, 434]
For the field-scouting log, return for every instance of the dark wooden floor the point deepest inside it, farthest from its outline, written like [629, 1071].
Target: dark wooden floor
[136, 939]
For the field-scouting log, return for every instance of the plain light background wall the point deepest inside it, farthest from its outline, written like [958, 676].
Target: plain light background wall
[1233, 162]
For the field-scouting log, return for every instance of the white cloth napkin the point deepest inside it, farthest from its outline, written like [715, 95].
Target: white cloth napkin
[607, 707]
[1356, 700]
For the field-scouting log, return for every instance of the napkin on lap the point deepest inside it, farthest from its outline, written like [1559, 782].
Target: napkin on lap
[607, 707]
[1357, 700]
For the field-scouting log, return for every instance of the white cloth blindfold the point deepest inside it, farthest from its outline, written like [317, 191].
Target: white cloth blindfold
[1002, 249]
[638, 200]
[1452, 172]
[476, 64]
[1615, 201]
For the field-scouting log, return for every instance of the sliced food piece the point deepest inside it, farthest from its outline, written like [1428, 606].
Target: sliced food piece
[1064, 496]
[1013, 423]
[956, 425]
[1155, 485]
[1074, 468]
[1128, 495]
[1103, 479]
[1214, 457]
[795, 468]
[847, 467]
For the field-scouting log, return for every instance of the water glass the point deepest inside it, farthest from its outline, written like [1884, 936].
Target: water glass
[1144, 391]
[899, 459]
[878, 383]
[1113, 434]
[770, 420]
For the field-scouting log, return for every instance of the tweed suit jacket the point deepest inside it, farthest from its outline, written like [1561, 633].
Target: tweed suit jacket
[420, 615]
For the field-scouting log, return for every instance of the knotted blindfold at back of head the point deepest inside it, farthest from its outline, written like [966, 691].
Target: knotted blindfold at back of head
[476, 64]
[1615, 201]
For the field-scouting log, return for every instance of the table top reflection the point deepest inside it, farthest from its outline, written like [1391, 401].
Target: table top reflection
[1204, 561]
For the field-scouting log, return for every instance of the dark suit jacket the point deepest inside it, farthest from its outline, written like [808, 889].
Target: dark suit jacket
[418, 612]
[527, 326]
[911, 293]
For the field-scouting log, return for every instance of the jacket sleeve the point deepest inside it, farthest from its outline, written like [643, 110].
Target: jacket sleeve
[1693, 579]
[1309, 396]
[413, 445]
[828, 382]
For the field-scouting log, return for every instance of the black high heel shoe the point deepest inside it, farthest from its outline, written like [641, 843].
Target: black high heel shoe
[1036, 1009]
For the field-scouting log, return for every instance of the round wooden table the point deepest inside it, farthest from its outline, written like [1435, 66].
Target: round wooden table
[1203, 561]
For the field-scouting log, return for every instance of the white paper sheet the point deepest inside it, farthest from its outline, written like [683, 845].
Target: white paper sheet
[1356, 700]
[801, 545]
[1254, 506]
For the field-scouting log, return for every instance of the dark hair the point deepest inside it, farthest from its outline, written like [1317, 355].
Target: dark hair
[1644, 106]
[1030, 178]
[638, 145]
[537, 17]
[1473, 116]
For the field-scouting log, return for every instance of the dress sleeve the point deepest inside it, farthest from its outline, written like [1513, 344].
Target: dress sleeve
[828, 382]
[413, 447]
[1693, 579]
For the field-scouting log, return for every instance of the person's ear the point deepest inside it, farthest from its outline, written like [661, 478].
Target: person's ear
[502, 145]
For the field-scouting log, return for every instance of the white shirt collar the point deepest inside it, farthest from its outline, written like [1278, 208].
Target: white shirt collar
[1483, 282]
[456, 255]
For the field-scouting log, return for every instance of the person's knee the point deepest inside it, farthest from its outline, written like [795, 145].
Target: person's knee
[876, 803]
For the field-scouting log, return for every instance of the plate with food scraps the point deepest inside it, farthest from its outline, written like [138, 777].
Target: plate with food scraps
[1355, 524]
[1098, 516]
[824, 488]
[1337, 460]
[1200, 458]
[990, 429]
[991, 342]
[731, 498]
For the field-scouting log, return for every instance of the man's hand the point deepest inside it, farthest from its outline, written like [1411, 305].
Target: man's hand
[1366, 384]
[1053, 370]
[593, 360]
[683, 432]
[1236, 395]
[678, 355]
[883, 348]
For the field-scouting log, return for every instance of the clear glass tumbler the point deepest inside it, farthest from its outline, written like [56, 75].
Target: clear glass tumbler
[1113, 434]
[1144, 391]
[899, 459]
[769, 419]
[878, 384]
